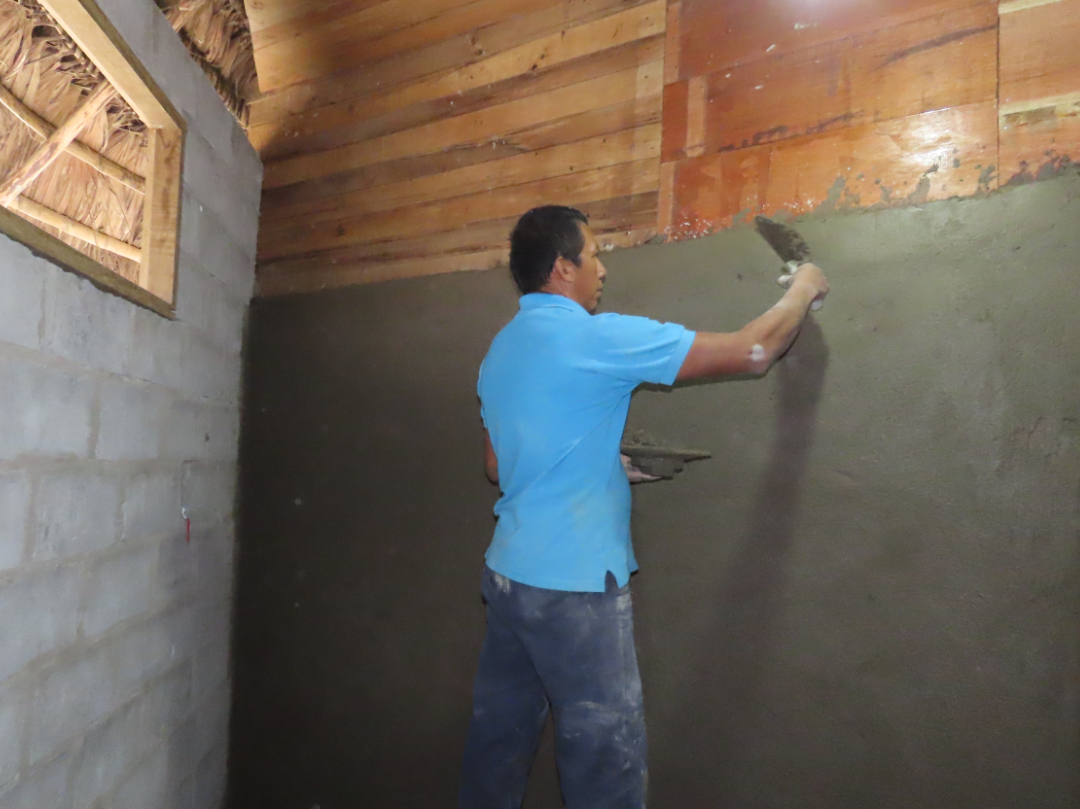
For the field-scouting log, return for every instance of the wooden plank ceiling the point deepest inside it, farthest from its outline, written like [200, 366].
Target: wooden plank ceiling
[404, 137]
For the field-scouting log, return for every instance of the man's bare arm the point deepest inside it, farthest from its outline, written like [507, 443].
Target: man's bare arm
[755, 347]
[491, 463]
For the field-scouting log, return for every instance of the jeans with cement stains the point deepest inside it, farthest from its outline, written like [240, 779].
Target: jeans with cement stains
[572, 653]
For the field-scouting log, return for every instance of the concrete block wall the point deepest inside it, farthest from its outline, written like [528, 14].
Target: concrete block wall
[114, 647]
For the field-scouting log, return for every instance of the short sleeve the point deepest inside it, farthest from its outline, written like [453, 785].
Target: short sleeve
[638, 349]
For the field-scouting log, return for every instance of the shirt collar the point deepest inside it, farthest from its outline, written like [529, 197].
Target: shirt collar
[537, 300]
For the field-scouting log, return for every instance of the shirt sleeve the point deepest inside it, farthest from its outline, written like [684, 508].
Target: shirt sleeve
[638, 349]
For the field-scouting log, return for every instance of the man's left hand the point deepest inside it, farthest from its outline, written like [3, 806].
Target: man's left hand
[635, 475]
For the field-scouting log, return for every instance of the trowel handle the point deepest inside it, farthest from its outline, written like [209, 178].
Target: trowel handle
[788, 276]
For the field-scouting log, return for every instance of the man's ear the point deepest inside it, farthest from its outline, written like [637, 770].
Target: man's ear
[563, 268]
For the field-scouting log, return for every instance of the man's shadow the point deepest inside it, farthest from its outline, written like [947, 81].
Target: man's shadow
[735, 645]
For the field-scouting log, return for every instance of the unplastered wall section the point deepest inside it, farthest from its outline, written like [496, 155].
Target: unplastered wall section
[114, 647]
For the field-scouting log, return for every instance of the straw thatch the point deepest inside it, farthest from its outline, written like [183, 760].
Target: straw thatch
[44, 69]
[218, 37]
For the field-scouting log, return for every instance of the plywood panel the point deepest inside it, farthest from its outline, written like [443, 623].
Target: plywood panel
[1040, 143]
[944, 61]
[909, 160]
[1040, 52]
[715, 34]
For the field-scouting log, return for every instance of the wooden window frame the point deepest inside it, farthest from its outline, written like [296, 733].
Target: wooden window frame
[98, 38]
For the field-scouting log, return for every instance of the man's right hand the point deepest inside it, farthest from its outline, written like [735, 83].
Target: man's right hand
[810, 276]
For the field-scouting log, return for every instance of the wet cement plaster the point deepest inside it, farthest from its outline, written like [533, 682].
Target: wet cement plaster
[867, 597]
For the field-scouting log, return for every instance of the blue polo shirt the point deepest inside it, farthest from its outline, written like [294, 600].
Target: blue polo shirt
[554, 393]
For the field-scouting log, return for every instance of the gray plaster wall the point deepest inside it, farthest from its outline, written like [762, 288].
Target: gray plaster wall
[114, 629]
[868, 597]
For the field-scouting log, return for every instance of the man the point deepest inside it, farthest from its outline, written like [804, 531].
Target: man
[555, 391]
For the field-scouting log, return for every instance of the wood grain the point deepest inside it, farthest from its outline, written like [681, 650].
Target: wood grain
[718, 34]
[489, 123]
[943, 61]
[556, 161]
[308, 133]
[933, 155]
[587, 186]
[1040, 53]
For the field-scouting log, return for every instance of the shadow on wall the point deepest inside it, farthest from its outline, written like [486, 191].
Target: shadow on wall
[737, 660]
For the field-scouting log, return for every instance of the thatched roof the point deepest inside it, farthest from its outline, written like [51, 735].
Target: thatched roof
[47, 77]
[218, 37]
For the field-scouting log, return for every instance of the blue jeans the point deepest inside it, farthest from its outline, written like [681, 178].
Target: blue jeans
[570, 652]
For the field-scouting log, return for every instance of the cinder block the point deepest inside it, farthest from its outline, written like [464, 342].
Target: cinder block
[145, 787]
[214, 559]
[117, 588]
[14, 512]
[46, 411]
[212, 719]
[152, 505]
[107, 751]
[181, 758]
[12, 721]
[210, 779]
[158, 349]
[210, 666]
[199, 431]
[22, 277]
[176, 566]
[131, 419]
[51, 597]
[40, 787]
[166, 707]
[221, 254]
[248, 164]
[191, 219]
[136, 24]
[73, 696]
[209, 305]
[86, 325]
[148, 650]
[209, 493]
[77, 511]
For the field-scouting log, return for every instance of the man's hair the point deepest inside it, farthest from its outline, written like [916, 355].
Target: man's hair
[541, 236]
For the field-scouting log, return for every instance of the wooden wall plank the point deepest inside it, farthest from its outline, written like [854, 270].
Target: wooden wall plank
[568, 158]
[406, 65]
[274, 282]
[1039, 143]
[489, 123]
[1040, 54]
[325, 44]
[933, 155]
[309, 133]
[943, 61]
[717, 34]
[619, 117]
[606, 216]
[610, 31]
[587, 186]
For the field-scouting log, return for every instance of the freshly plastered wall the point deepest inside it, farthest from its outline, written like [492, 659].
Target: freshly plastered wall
[867, 597]
[114, 621]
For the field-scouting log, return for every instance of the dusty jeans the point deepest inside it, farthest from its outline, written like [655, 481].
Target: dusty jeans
[570, 652]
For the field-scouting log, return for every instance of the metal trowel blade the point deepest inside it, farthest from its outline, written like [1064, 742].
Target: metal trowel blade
[786, 241]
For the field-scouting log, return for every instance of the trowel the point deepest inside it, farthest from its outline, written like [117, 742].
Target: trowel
[789, 245]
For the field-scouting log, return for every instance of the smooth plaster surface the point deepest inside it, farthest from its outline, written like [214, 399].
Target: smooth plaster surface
[868, 597]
